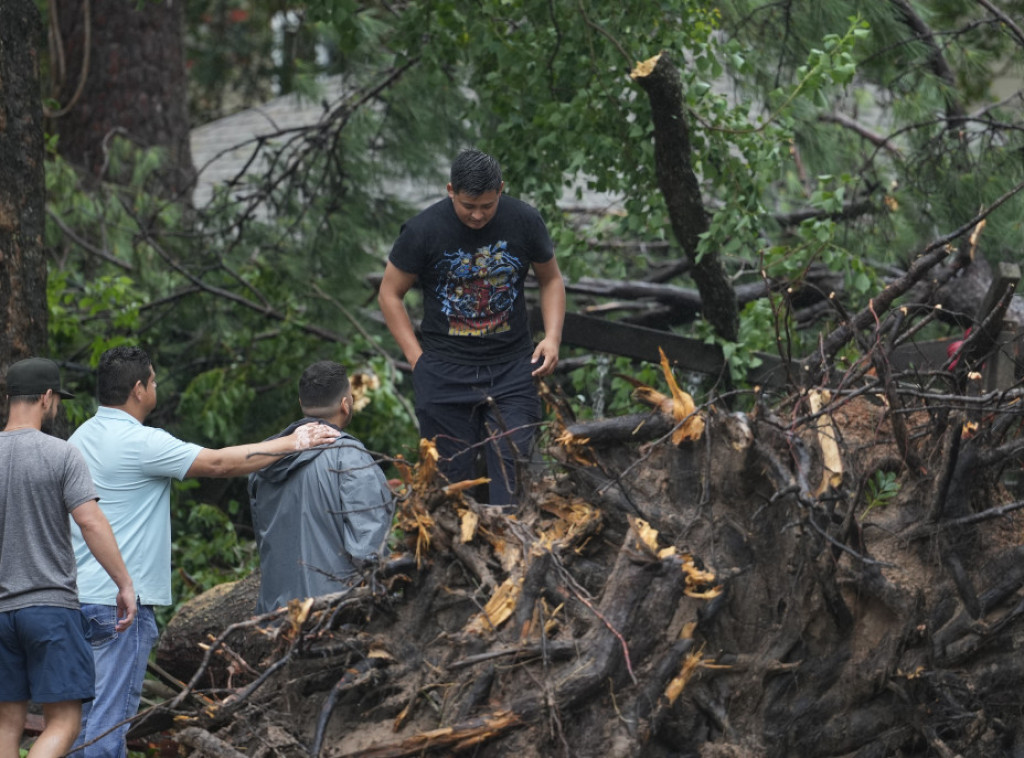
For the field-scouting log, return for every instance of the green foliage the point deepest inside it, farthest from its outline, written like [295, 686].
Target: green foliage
[882, 487]
[387, 425]
[207, 550]
[98, 313]
[233, 300]
[216, 401]
[931, 170]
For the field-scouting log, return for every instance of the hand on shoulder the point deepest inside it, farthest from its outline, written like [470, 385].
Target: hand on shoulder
[313, 434]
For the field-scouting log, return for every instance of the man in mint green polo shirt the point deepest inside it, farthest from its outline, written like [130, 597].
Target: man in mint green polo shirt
[132, 466]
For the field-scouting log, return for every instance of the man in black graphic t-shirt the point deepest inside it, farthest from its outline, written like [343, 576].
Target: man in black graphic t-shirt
[475, 362]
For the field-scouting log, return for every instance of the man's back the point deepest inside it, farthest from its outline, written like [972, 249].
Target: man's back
[41, 480]
[313, 513]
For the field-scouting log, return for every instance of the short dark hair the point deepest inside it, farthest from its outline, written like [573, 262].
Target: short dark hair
[323, 384]
[119, 370]
[23, 399]
[475, 172]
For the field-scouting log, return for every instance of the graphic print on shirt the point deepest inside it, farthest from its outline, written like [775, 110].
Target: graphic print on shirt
[477, 290]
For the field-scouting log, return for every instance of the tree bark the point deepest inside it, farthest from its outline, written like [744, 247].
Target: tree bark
[22, 189]
[679, 185]
[124, 74]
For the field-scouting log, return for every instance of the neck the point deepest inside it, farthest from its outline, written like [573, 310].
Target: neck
[132, 409]
[338, 419]
[17, 421]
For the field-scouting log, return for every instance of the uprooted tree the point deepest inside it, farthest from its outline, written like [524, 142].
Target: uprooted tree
[833, 572]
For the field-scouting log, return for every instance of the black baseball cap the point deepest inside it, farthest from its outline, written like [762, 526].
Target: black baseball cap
[33, 376]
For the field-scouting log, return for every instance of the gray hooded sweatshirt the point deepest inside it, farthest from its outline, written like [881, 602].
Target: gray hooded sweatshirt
[318, 514]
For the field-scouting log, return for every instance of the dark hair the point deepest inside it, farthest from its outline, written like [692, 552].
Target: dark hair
[475, 172]
[120, 368]
[322, 385]
[23, 399]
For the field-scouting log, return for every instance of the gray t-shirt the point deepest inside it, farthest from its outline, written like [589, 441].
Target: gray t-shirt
[42, 479]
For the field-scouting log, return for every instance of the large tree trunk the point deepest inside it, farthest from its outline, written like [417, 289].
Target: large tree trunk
[123, 75]
[22, 188]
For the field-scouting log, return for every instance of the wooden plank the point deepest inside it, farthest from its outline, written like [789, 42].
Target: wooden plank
[1006, 275]
[1000, 373]
[34, 724]
[642, 343]
[639, 342]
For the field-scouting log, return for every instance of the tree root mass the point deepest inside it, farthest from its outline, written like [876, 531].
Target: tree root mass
[726, 596]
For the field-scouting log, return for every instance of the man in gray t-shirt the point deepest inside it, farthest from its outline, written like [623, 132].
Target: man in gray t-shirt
[44, 654]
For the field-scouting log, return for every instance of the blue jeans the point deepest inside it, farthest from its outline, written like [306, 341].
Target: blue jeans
[120, 660]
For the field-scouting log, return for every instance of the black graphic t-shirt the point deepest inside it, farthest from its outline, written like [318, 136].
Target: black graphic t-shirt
[474, 310]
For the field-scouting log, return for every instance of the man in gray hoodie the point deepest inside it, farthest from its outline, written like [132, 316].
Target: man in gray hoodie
[322, 513]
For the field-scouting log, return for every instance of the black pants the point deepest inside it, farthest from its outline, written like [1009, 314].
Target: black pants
[463, 408]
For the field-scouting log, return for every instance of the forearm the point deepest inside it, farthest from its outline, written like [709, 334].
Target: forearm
[241, 460]
[400, 325]
[552, 309]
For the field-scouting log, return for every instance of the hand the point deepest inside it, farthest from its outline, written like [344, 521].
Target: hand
[126, 608]
[313, 434]
[547, 349]
[413, 356]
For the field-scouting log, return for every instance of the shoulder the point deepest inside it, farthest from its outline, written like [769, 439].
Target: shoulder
[429, 217]
[154, 443]
[57, 452]
[106, 421]
[524, 225]
[421, 235]
[87, 427]
[55, 447]
[46, 441]
[347, 442]
[521, 216]
[349, 448]
[514, 205]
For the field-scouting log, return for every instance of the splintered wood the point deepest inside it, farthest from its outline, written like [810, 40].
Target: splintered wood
[452, 739]
[684, 420]
[698, 581]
